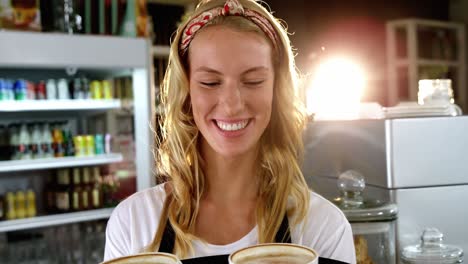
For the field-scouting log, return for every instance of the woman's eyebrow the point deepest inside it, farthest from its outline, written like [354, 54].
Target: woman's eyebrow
[250, 70]
[207, 69]
[256, 69]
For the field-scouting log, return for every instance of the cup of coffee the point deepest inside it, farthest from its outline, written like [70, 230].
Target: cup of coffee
[146, 258]
[274, 253]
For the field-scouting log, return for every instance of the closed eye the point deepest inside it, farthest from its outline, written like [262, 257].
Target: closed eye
[210, 84]
[254, 83]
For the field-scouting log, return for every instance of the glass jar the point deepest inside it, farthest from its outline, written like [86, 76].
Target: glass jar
[438, 92]
[372, 221]
[432, 250]
[435, 91]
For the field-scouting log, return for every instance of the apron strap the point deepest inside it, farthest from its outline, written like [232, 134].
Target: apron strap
[168, 238]
[283, 235]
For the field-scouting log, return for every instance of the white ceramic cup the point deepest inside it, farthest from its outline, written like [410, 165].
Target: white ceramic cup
[146, 258]
[274, 253]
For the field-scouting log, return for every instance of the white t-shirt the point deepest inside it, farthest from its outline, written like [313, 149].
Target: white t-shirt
[135, 220]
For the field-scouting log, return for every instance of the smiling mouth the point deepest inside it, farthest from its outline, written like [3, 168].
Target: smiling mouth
[225, 126]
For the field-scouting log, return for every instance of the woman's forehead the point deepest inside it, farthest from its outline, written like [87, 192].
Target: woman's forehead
[217, 46]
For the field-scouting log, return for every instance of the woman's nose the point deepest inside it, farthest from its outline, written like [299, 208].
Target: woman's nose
[232, 99]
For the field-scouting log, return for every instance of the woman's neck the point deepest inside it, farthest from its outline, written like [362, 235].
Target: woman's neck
[230, 179]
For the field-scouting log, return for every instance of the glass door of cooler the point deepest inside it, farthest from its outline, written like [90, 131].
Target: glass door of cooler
[75, 139]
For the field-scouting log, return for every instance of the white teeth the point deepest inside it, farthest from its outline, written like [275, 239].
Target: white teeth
[232, 126]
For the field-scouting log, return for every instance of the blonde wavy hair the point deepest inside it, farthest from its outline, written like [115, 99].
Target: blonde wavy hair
[281, 149]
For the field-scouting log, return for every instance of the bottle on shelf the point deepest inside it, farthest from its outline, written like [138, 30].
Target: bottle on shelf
[97, 195]
[63, 190]
[50, 195]
[2, 208]
[36, 142]
[57, 137]
[31, 208]
[51, 89]
[76, 196]
[86, 195]
[63, 90]
[47, 141]
[68, 144]
[20, 205]
[10, 201]
[24, 142]
[4, 148]
[76, 90]
[85, 88]
[13, 141]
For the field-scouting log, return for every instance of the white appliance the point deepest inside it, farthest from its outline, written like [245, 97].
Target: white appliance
[421, 164]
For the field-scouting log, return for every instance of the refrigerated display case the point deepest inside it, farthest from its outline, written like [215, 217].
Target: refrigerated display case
[42, 56]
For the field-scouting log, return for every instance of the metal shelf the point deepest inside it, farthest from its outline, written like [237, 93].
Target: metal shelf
[58, 105]
[52, 163]
[428, 62]
[52, 220]
[55, 50]
[431, 62]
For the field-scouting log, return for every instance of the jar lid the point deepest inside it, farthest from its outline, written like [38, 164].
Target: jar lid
[357, 209]
[432, 250]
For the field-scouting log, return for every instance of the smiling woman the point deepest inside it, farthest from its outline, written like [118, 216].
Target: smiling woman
[231, 148]
[231, 96]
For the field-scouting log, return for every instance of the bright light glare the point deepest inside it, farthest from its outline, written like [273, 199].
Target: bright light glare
[336, 89]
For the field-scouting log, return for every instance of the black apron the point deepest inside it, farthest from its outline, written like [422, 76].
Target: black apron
[282, 236]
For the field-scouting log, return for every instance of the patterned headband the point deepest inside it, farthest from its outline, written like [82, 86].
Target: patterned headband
[231, 8]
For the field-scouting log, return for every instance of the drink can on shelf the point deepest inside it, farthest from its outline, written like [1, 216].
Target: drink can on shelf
[10, 93]
[20, 90]
[99, 144]
[96, 90]
[30, 90]
[2, 90]
[108, 144]
[41, 91]
[107, 89]
[89, 141]
[80, 146]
